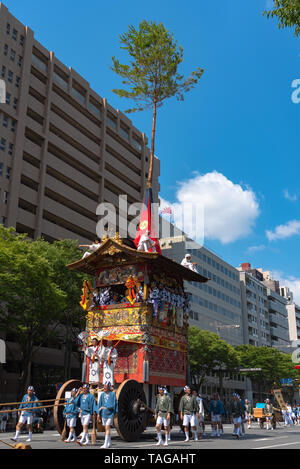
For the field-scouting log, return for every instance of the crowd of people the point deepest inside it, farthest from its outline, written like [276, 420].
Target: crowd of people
[171, 305]
[193, 415]
[158, 293]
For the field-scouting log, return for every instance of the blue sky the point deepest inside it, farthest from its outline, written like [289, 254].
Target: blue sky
[239, 122]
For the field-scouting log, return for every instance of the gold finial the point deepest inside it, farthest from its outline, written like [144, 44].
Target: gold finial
[117, 238]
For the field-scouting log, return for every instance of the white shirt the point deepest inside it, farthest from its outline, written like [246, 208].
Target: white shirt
[145, 244]
[189, 265]
[94, 247]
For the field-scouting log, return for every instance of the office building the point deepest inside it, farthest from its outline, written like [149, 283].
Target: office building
[254, 300]
[215, 305]
[294, 321]
[264, 309]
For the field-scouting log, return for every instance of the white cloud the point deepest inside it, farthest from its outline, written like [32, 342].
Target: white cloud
[284, 231]
[229, 210]
[290, 197]
[252, 249]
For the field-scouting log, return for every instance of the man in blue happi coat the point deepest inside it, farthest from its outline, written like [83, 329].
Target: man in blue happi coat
[107, 408]
[29, 403]
[70, 413]
[87, 406]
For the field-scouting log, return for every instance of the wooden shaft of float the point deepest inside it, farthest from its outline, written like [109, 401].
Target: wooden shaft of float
[8, 444]
[147, 407]
[30, 408]
[46, 400]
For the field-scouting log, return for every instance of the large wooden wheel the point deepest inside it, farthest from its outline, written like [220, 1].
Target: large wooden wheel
[58, 409]
[131, 419]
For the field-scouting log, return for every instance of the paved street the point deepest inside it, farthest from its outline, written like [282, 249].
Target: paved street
[281, 438]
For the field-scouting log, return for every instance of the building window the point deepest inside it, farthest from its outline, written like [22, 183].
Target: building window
[95, 108]
[78, 93]
[20, 59]
[3, 71]
[15, 34]
[12, 55]
[17, 83]
[5, 49]
[3, 220]
[136, 144]
[2, 144]
[111, 122]
[60, 80]
[15, 105]
[8, 172]
[7, 28]
[21, 40]
[5, 197]
[10, 76]
[39, 62]
[124, 132]
[10, 149]
[1, 169]
[13, 125]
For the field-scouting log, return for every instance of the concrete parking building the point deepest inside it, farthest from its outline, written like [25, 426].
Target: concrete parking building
[63, 148]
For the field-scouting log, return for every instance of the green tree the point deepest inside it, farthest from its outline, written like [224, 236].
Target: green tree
[274, 366]
[59, 254]
[208, 354]
[152, 75]
[287, 13]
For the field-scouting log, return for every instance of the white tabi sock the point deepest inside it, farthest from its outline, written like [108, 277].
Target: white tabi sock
[29, 436]
[17, 434]
[187, 436]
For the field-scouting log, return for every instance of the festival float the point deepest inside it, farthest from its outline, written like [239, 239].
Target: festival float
[147, 335]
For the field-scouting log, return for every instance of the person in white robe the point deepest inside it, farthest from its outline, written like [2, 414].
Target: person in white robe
[146, 243]
[93, 352]
[91, 248]
[186, 262]
[108, 356]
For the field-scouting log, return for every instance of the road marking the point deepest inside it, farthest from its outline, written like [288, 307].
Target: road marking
[271, 438]
[276, 446]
